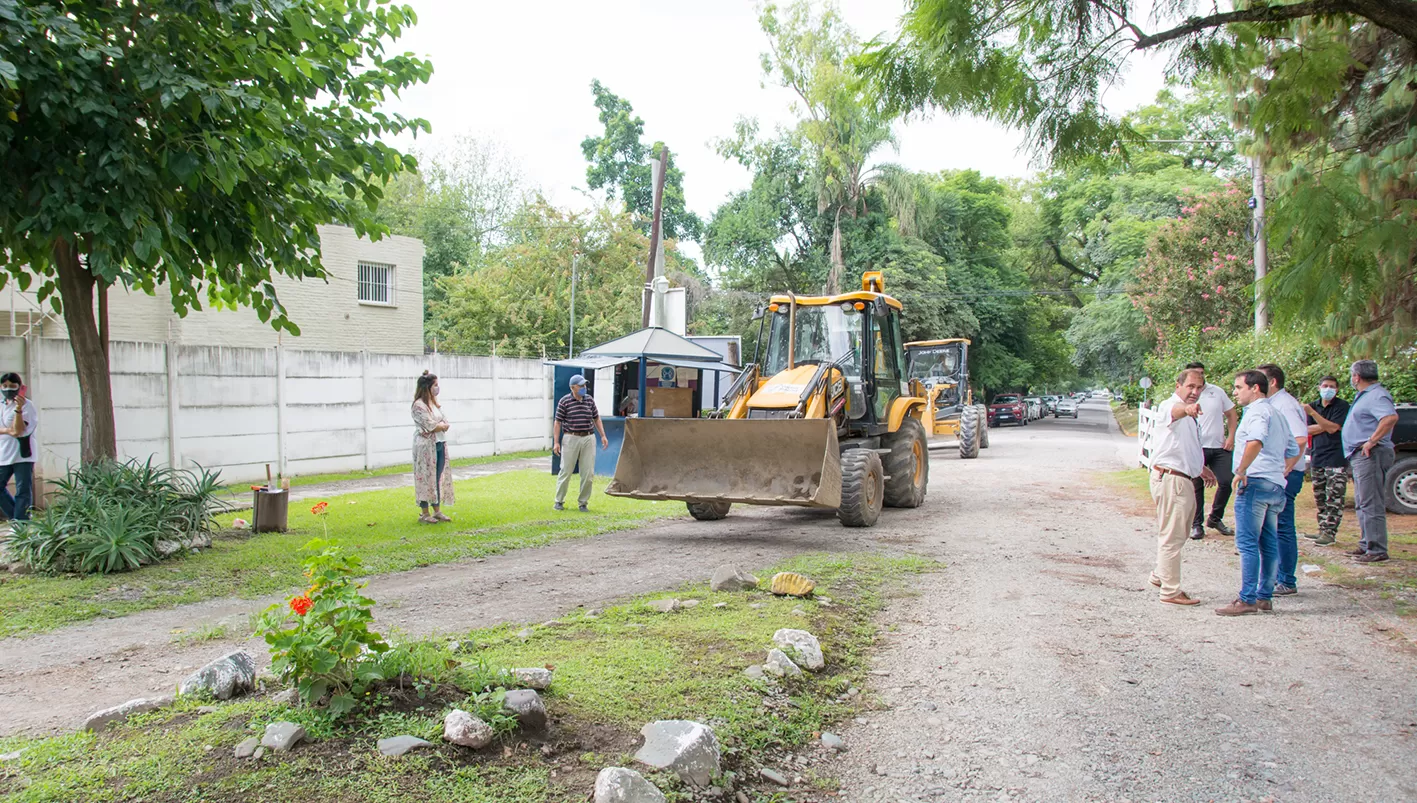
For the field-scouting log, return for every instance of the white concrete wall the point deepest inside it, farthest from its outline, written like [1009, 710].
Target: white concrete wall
[301, 412]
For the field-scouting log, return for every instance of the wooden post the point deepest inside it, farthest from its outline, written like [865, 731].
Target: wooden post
[656, 224]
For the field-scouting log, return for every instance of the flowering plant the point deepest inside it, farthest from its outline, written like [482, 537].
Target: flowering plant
[320, 640]
[322, 509]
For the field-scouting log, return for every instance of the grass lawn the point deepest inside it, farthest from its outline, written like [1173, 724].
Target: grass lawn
[492, 514]
[404, 468]
[1126, 416]
[1395, 580]
[613, 673]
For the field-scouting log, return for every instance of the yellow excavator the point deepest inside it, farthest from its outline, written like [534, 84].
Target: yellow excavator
[824, 419]
[941, 369]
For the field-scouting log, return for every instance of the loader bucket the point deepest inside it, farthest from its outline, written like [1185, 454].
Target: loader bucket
[744, 461]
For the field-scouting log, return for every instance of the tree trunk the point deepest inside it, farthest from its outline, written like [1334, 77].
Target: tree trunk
[838, 265]
[90, 344]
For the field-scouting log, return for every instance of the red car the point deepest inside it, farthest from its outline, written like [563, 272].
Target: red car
[1008, 409]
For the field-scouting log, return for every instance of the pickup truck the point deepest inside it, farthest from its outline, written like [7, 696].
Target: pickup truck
[1008, 409]
[1400, 487]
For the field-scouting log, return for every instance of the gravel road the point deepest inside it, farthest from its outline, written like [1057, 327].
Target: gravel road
[1040, 666]
[1037, 666]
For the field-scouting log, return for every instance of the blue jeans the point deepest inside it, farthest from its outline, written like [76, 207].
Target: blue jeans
[1257, 507]
[1288, 538]
[17, 507]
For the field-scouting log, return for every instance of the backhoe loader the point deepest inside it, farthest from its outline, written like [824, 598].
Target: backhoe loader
[941, 367]
[824, 419]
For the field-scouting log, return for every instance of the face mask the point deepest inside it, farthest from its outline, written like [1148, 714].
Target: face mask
[1327, 394]
[437, 390]
[10, 393]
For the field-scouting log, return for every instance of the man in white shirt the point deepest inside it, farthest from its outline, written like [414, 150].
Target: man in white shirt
[1292, 411]
[1177, 461]
[1218, 420]
[18, 450]
[1264, 453]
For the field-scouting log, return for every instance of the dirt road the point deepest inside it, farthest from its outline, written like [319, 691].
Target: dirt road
[1037, 665]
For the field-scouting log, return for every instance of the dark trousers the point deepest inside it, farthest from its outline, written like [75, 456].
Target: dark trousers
[440, 458]
[17, 507]
[1219, 462]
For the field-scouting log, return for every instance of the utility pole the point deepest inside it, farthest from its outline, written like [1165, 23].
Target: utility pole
[1261, 248]
[660, 168]
[571, 341]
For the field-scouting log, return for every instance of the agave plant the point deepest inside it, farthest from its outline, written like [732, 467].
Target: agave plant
[119, 539]
[38, 542]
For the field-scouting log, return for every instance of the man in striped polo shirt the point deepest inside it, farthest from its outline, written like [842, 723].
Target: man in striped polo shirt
[572, 438]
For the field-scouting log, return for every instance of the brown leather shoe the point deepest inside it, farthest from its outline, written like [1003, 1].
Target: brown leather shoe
[1266, 605]
[1356, 552]
[1370, 558]
[1238, 608]
[1180, 599]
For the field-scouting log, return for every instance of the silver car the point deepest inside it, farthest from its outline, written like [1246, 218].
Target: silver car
[1066, 406]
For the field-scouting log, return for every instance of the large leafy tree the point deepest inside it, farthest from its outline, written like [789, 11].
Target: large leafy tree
[188, 145]
[619, 164]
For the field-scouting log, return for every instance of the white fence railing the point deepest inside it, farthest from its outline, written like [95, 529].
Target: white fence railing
[1147, 422]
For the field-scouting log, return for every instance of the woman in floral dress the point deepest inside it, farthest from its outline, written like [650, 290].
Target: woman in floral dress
[432, 481]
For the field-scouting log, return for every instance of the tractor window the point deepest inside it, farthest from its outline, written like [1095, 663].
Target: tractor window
[885, 362]
[938, 362]
[824, 334]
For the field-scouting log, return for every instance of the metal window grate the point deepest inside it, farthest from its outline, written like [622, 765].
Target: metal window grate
[376, 283]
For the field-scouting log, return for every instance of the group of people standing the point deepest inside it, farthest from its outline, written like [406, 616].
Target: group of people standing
[1263, 457]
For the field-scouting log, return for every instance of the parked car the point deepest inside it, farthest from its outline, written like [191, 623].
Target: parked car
[1008, 408]
[1400, 485]
[1035, 407]
[1050, 404]
[1066, 406]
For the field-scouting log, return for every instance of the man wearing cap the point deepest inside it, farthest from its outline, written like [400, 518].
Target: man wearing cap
[572, 438]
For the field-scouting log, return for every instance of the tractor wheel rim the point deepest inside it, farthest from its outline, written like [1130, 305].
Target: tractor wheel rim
[919, 462]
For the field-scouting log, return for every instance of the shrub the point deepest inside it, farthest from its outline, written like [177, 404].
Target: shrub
[109, 516]
[320, 640]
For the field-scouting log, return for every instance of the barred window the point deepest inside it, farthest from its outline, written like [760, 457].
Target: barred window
[376, 283]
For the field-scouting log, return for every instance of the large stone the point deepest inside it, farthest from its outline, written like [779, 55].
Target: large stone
[282, 736]
[460, 727]
[731, 578]
[662, 605]
[534, 677]
[833, 742]
[247, 748]
[779, 665]
[801, 646]
[526, 706]
[226, 677]
[100, 720]
[621, 785]
[688, 749]
[395, 746]
[791, 584]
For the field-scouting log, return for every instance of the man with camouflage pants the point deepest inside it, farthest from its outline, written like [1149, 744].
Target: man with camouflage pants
[1329, 470]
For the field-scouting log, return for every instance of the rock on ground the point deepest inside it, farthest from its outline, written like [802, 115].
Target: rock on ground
[247, 748]
[833, 742]
[533, 677]
[779, 665]
[731, 578]
[226, 677]
[802, 646]
[460, 727]
[662, 605]
[791, 584]
[621, 785]
[689, 749]
[395, 746]
[100, 720]
[527, 707]
[282, 736]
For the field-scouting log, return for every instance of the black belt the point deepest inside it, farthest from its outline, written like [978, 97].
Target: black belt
[578, 432]
[1173, 472]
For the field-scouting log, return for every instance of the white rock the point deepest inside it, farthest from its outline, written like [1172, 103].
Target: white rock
[533, 677]
[226, 677]
[460, 727]
[100, 720]
[731, 578]
[688, 749]
[755, 672]
[662, 605]
[621, 785]
[395, 746]
[833, 742]
[247, 748]
[526, 706]
[802, 646]
[780, 665]
[282, 736]
[689, 603]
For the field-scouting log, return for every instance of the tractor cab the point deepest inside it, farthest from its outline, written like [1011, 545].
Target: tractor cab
[941, 368]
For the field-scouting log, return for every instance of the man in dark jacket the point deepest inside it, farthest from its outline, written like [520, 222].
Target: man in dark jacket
[1329, 471]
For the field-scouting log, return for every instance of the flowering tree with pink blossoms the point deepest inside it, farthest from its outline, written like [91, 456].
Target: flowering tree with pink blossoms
[1198, 272]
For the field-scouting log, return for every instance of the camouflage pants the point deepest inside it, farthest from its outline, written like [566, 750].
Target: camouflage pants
[1330, 485]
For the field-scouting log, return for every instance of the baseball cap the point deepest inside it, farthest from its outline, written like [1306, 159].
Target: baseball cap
[577, 380]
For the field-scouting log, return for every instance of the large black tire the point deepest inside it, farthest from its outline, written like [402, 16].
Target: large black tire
[983, 426]
[969, 432]
[708, 511]
[1400, 487]
[907, 466]
[863, 488]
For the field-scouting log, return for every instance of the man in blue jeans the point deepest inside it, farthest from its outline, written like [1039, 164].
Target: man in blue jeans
[1265, 453]
[1292, 412]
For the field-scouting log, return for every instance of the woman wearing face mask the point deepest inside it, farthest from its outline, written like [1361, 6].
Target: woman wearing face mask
[18, 418]
[432, 481]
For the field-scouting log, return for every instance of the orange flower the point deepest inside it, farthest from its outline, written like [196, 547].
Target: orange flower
[301, 605]
[320, 509]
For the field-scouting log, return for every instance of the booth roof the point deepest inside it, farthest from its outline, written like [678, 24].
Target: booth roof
[656, 344]
[590, 363]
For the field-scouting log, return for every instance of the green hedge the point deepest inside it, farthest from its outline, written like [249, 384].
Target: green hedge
[1303, 357]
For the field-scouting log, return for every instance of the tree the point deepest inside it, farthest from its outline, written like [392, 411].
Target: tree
[619, 164]
[188, 145]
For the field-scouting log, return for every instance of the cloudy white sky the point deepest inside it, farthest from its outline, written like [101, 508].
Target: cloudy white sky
[519, 73]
